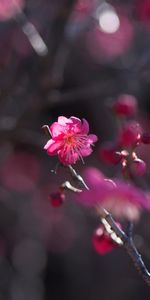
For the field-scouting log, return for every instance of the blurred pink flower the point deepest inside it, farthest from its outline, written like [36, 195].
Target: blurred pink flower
[70, 140]
[102, 45]
[9, 8]
[122, 199]
[93, 176]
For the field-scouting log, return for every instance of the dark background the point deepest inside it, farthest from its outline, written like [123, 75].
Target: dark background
[46, 252]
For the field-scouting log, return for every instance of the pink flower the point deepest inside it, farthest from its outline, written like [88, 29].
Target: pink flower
[123, 200]
[70, 140]
[105, 46]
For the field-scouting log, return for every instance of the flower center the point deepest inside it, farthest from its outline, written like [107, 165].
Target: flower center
[70, 140]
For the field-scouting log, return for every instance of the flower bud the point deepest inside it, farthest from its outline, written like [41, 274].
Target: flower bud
[138, 167]
[130, 134]
[102, 242]
[57, 198]
[126, 105]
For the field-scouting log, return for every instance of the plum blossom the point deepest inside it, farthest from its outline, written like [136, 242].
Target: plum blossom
[70, 140]
[122, 199]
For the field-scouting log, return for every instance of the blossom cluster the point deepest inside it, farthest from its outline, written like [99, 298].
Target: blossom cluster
[130, 136]
[70, 141]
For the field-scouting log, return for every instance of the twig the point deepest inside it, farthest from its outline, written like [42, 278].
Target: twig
[76, 176]
[130, 229]
[129, 245]
[32, 34]
[67, 185]
[46, 130]
[137, 259]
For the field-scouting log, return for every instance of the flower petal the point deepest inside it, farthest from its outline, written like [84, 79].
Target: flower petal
[76, 121]
[53, 146]
[63, 120]
[56, 129]
[48, 144]
[76, 125]
[85, 127]
[86, 151]
[92, 138]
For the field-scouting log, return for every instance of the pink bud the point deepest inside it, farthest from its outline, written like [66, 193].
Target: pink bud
[138, 167]
[57, 198]
[102, 242]
[126, 105]
[130, 134]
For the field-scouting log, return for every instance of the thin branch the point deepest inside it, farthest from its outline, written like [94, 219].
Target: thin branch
[68, 186]
[130, 229]
[77, 177]
[33, 36]
[137, 259]
[46, 131]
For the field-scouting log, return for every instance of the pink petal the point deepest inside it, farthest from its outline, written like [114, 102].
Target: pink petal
[63, 120]
[86, 151]
[53, 147]
[76, 125]
[76, 121]
[48, 144]
[92, 138]
[85, 127]
[56, 129]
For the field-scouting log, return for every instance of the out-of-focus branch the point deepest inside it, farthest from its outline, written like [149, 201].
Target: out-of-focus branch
[32, 34]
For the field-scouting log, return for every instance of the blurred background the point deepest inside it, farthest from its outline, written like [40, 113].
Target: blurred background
[65, 57]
